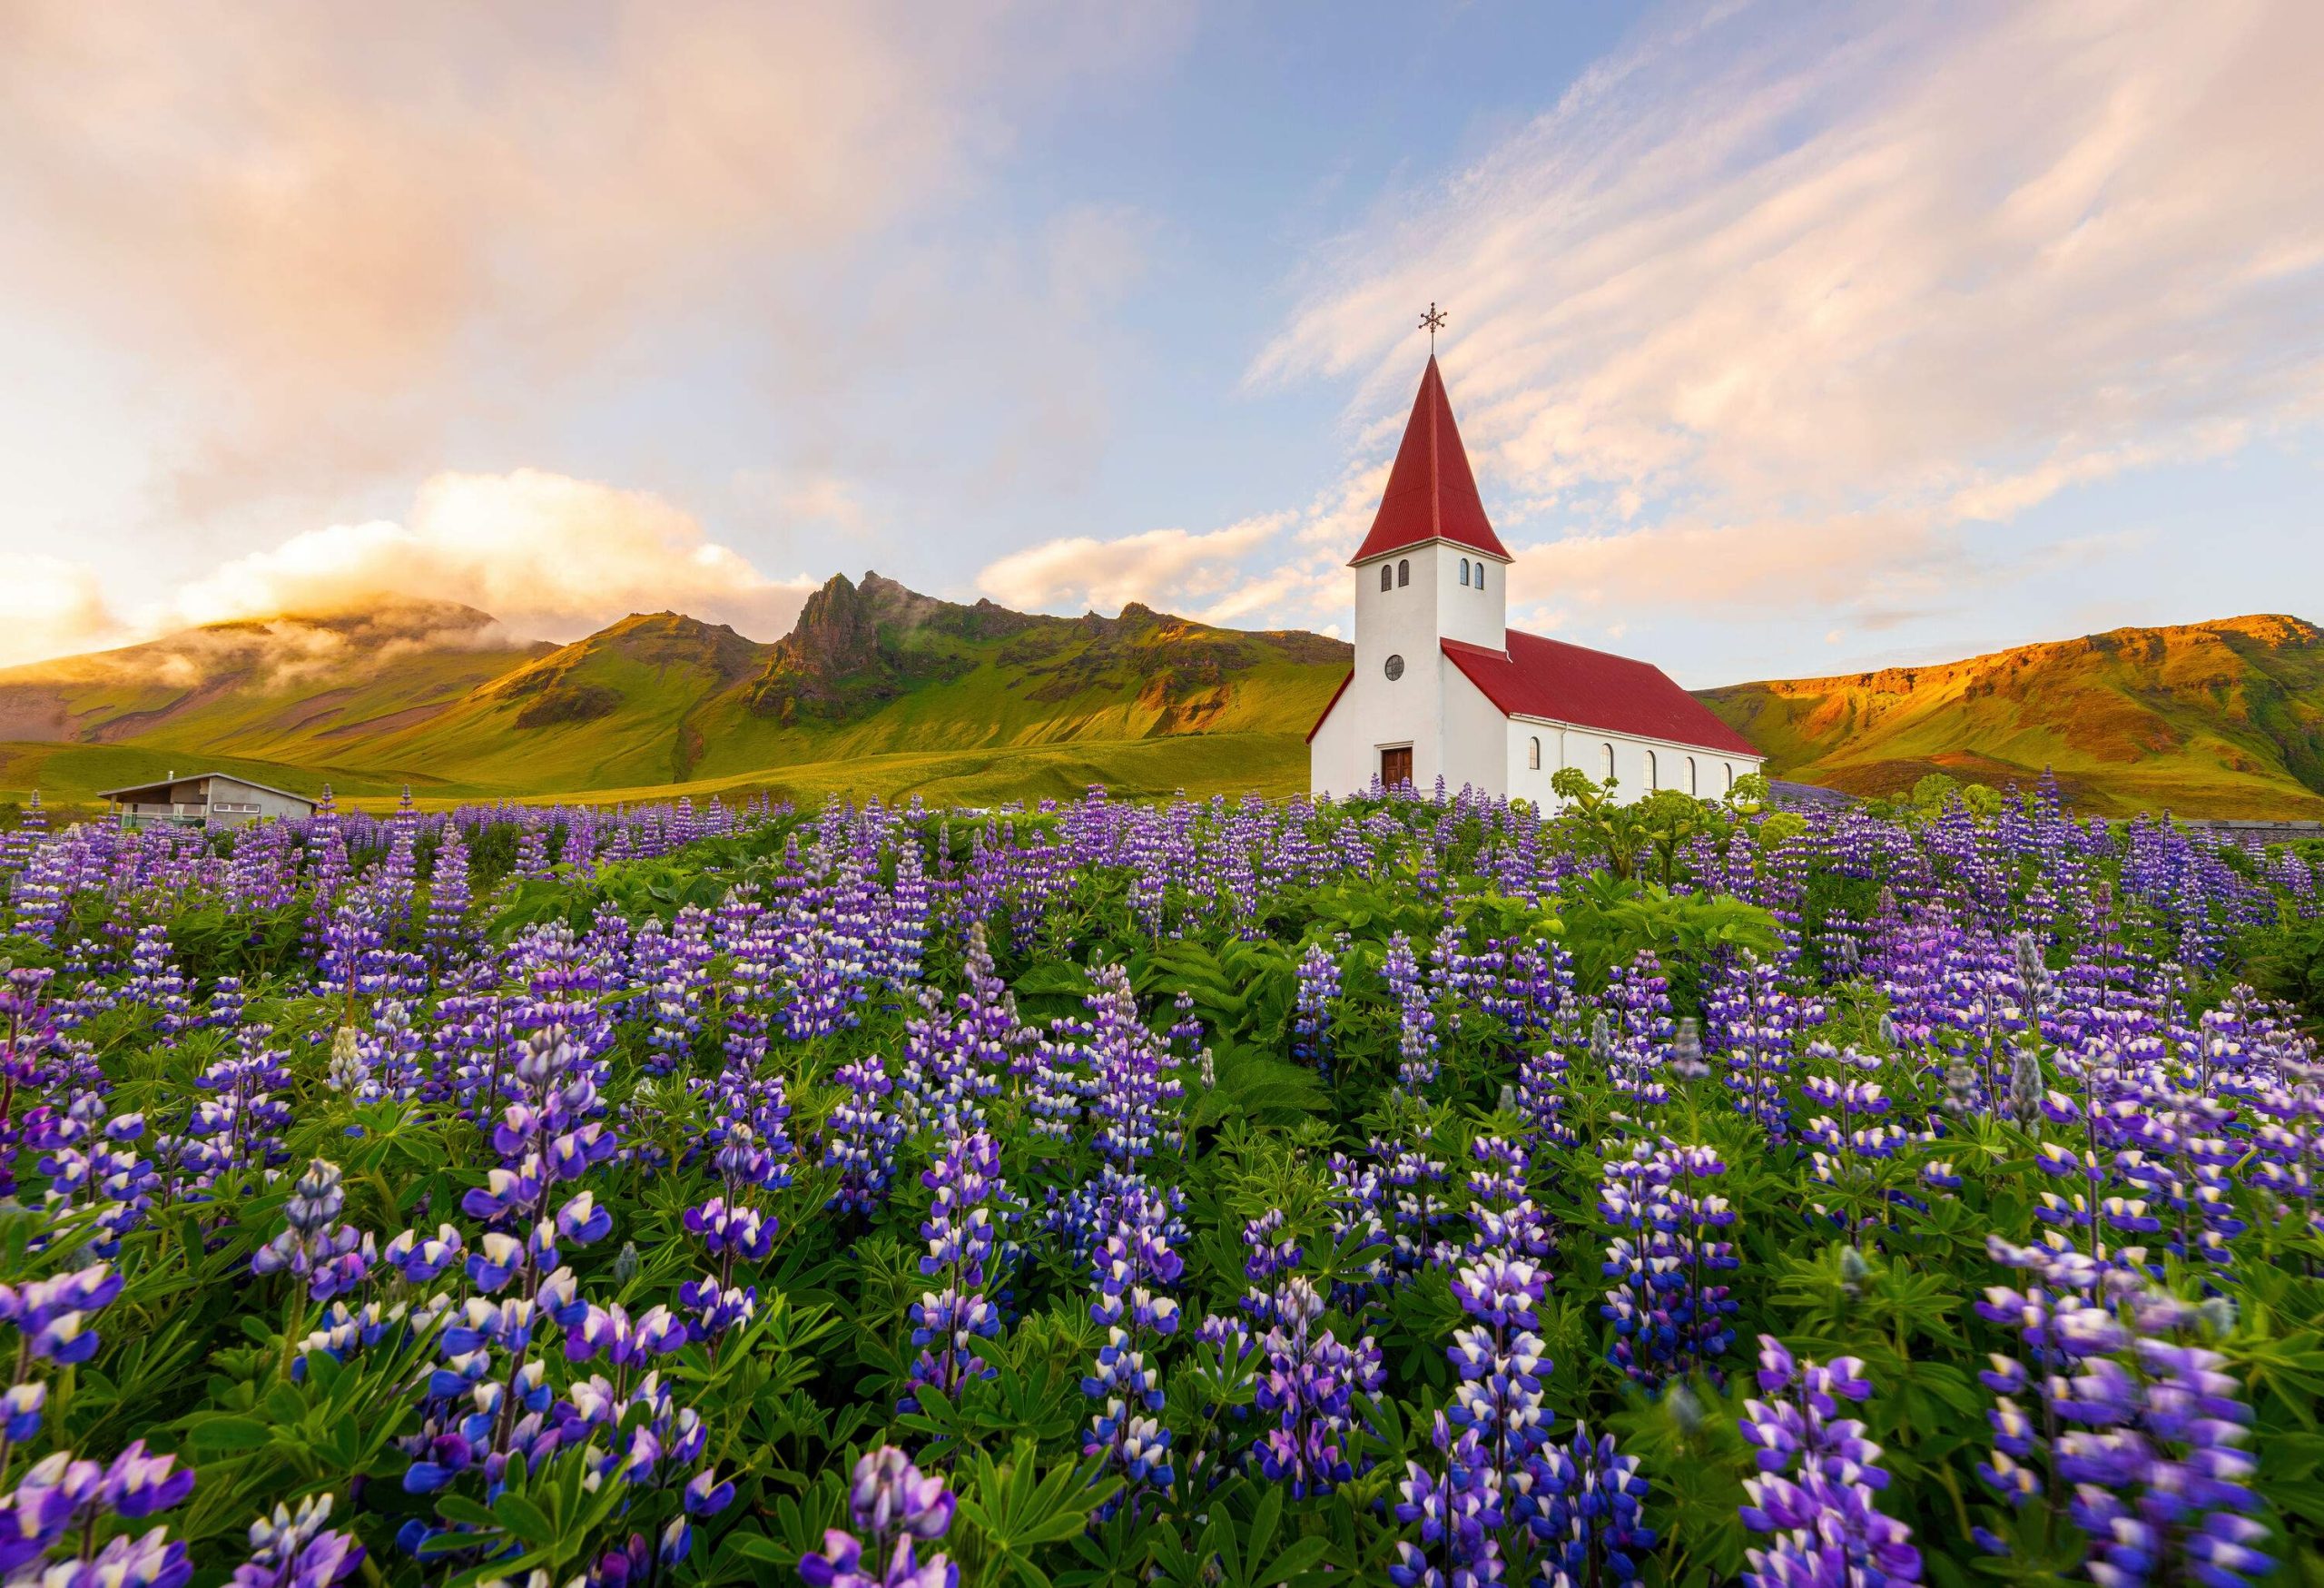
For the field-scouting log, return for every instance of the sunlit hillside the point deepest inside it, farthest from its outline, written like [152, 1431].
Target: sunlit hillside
[2222, 719]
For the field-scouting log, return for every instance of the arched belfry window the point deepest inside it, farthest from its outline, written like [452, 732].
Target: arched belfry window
[1649, 769]
[1387, 576]
[1605, 763]
[1464, 570]
[1480, 576]
[1533, 754]
[1403, 572]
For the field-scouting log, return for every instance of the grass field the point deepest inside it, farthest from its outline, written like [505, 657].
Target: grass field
[1271, 765]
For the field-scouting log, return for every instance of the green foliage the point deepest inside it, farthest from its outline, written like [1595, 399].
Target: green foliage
[1609, 922]
[2288, 963]
[1012, 1516]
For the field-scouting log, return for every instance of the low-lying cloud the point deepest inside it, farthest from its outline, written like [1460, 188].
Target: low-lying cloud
[49, 607]
[546, 555]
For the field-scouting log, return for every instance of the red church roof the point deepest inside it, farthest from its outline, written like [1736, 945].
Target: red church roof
[1593, 689]
[1431, 495]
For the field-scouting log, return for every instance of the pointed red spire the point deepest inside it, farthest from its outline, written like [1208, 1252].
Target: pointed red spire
[1431, 495]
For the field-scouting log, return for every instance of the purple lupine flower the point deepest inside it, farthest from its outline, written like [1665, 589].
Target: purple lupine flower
[752, 1151]
[862, 1138]
[1668, 1315]
[1637, 1047]
[94, 1168]
[1501, 1210]
[1416, 1038]
[1756, 1020]
[1126, 1431]
[1588, 1499]
[1458, 1511]
[1131, 1080]
[59, 1502]
[2135, 1415]
[234, 1133]
[1134, 1260]
[298, 1549]
[895, 1510]
[449, 938]
[1307, 1382]
[329, 1256]
[1273, 1256]
[969, 1208]
[1318, 990]
[51, 1315]
[1816, 1480]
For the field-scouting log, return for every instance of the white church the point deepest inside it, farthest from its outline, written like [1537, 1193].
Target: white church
[1444, 688]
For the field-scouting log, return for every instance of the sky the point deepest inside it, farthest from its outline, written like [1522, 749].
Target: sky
[1787, 339]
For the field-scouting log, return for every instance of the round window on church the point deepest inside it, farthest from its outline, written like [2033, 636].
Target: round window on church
[1395, 668]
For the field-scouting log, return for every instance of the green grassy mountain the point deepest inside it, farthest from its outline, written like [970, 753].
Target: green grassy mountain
[876, 689]
[2206, 719]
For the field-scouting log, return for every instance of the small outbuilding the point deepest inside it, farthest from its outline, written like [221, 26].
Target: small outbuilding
[211, 800]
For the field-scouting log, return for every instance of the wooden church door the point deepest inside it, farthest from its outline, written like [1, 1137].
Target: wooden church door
[1396, 766]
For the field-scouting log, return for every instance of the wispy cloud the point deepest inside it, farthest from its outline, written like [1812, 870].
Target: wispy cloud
[1770, 303]
[1182, 569]
[1281, 568]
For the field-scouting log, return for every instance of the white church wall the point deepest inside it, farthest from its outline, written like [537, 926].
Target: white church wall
[1475, 737]
[1477, 611]
[1332, 753]
[1564, 745]
[1375, 711]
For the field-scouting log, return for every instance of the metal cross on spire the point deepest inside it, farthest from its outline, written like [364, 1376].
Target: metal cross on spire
[1432, 323]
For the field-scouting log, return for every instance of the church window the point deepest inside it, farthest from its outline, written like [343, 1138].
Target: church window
[1395, 668]
[1480, 576]
[1533, 754]
[1649, 769]
[1464, 570]
[1403, 572]
[1693, 787]
[1387, 576]
[1729, 766]
[1605, 763]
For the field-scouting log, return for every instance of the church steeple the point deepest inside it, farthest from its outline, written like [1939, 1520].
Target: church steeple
[1432, 494]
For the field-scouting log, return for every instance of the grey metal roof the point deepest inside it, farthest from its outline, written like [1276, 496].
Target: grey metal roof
[114, 793]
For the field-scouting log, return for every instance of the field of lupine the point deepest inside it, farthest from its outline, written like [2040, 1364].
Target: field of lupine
[1404, 1189]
